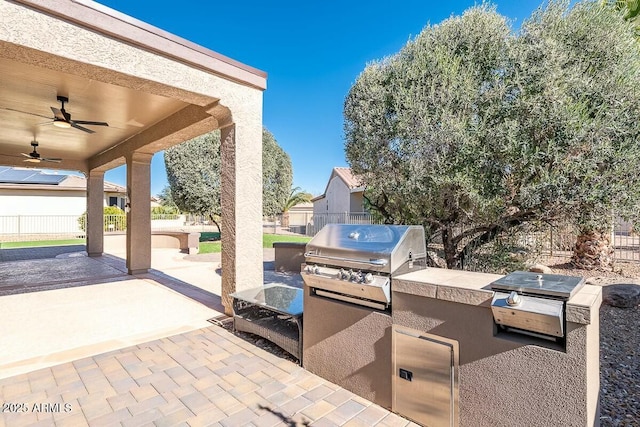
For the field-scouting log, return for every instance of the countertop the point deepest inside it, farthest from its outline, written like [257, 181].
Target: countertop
[467, 287]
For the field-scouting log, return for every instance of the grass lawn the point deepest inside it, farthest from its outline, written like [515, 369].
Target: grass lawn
[40, 243]
[209, 236]
[267, 242]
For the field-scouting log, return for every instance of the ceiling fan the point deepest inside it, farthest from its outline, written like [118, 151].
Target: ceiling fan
[62, 119]
[34, 156]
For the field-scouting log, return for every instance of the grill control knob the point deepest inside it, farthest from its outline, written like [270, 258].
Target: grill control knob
[368, 278]
[316, 269]
[309, 269]
[514, 299]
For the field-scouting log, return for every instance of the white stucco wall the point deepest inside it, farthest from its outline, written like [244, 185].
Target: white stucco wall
[320, 206]
[338, 196]
[356, 202]
[42, 202]
[49, 203]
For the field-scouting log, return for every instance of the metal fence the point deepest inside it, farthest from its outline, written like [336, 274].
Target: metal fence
[16, 228]
[545, 243]
[559, 241]
[548, 241]
[308, 224]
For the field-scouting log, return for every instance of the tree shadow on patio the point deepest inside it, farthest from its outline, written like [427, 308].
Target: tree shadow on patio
[286, 420]
[195, 293]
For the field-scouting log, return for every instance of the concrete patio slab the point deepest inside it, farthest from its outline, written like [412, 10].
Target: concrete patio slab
[59, 309]
[44, 328]
[38, 273]
[21, 254]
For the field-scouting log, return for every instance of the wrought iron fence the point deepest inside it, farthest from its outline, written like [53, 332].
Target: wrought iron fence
[308, 224]
[15, 228]
[544, 241]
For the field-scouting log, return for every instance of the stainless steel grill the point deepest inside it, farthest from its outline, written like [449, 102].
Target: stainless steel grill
[533, 303]
[355, 263]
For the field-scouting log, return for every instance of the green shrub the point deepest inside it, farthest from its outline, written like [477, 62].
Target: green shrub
[164, 210]
[114, 219]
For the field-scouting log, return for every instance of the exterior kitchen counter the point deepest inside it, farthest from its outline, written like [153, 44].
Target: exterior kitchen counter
[542, 381]
[465, 287]
[468, 287]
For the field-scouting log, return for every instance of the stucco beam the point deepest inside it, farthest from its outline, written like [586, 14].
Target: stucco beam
[221, 113]
[185, 124]
[125, 29]
[37, 58]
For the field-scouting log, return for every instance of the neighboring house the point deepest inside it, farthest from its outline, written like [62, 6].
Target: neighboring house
[28, 192]
[298, 217]
[300, 213]
[344, 193]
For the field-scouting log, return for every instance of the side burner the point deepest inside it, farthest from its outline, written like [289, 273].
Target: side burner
[550, 285]
[527, 302]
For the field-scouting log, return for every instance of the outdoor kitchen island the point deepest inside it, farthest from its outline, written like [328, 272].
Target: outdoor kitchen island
[504, 378]
[448, 347]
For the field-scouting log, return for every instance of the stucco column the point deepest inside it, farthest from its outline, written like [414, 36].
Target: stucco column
[139, 215]
[241, 200]
[95, 213]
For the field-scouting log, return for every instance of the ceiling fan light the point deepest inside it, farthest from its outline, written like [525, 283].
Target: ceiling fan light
[62, 124]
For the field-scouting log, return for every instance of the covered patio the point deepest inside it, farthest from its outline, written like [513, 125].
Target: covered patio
[68, 67]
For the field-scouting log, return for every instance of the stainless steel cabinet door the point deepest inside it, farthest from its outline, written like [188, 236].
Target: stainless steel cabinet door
[425, 384]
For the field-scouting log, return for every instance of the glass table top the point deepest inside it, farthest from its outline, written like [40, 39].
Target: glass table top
[283, 298]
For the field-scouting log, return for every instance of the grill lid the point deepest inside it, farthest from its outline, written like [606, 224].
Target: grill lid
[382, 248]
[554, 285]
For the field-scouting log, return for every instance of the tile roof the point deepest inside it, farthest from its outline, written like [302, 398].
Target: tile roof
[348, 177]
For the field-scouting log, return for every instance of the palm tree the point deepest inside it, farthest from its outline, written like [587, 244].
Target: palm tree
[296, 196]
[594, 246]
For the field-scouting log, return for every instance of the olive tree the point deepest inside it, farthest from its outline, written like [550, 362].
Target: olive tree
[277, 175]
[193, 172]
[472, 129]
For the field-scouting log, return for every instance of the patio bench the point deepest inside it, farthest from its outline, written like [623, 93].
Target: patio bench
[186, 241]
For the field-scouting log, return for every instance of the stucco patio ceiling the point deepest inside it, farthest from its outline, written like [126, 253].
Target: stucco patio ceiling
[27, 93]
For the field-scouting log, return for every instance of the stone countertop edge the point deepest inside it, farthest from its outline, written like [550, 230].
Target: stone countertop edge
[468, 287]
[581, 305]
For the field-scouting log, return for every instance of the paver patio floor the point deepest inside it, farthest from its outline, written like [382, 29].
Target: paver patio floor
[199, 378]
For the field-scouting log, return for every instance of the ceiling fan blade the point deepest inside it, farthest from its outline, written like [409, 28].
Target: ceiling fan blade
[51, 159]
[58, 114]
[86, 122]
[26, 155]
[32, 160]
[77, 126]
[24, 112]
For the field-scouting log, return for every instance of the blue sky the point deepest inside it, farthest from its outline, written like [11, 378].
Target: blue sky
[312, 51]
